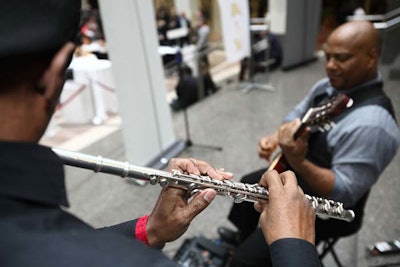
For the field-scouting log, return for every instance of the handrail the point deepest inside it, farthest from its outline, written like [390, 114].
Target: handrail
[392, 14]
[387, 24]
[366, 17]
[382, 22]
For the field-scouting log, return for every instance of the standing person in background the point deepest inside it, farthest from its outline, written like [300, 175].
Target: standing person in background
[173, 23]
[209, 86]
[202, 46]
[185, 23]
[162, 21]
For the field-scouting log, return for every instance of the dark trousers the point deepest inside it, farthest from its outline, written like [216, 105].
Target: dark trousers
[243, 215]
[254, 252]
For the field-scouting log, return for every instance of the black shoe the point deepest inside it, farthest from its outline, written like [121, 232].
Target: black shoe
[229, 236]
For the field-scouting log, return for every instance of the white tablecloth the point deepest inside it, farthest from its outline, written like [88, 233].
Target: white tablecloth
[97, 99]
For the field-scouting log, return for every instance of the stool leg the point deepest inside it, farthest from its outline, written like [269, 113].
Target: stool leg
[328, 246]
[335, 257]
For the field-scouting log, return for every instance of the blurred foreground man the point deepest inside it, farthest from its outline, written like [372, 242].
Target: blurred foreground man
[36, 46]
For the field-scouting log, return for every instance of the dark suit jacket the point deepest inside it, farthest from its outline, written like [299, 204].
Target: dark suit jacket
[35, 231]
[292, 252]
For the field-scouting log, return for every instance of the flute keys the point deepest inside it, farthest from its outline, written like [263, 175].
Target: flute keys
[194, 191]
[191, 187]
[153, 180]
[163, 182]
[239, 198]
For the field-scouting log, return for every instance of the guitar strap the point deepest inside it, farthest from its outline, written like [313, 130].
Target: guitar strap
[371, 95]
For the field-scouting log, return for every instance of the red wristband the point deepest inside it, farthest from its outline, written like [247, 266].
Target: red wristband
[140, 230]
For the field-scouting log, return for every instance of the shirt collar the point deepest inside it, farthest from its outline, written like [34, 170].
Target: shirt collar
[31, 172]
[376, 80]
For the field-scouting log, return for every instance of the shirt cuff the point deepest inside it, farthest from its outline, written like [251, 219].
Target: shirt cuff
[140, 230]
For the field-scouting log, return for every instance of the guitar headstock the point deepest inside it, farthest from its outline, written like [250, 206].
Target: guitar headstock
[322, 115]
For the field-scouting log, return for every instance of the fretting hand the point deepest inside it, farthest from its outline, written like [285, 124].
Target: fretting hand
[267, 145]
[295, 150]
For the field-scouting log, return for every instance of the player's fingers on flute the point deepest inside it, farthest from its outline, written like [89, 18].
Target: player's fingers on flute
[199, 202]
[289, 179]
[270, 179]
[207, 169]
[184, 165]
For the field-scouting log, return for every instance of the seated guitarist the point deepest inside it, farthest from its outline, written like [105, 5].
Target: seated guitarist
[342, 163]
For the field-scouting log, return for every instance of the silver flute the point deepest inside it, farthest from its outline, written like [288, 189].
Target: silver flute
[239, 192]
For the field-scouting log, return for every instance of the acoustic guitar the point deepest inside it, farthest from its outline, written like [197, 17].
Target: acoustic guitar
[319, 118]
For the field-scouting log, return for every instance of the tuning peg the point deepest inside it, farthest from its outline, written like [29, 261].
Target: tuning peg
[349, 103]
[327, 127]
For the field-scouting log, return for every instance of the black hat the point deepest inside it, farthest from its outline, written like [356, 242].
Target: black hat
[30, 26]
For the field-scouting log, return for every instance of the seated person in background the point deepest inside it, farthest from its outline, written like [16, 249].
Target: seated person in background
[340, 164]
[186, 89]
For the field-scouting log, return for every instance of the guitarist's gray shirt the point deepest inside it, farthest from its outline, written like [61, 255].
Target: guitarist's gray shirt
[361, 144]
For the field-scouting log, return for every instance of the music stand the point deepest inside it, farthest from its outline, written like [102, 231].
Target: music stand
[201, 95]
[263, 45]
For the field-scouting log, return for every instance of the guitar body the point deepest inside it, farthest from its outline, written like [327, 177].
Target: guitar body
[279, 163]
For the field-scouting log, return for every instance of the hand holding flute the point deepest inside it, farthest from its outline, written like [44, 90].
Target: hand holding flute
[173, 212]
[287, 213]
[287, 221]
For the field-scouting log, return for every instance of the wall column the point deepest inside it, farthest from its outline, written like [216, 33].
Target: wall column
[130, 32]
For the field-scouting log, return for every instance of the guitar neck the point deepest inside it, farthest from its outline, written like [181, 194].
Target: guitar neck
[299, 131]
